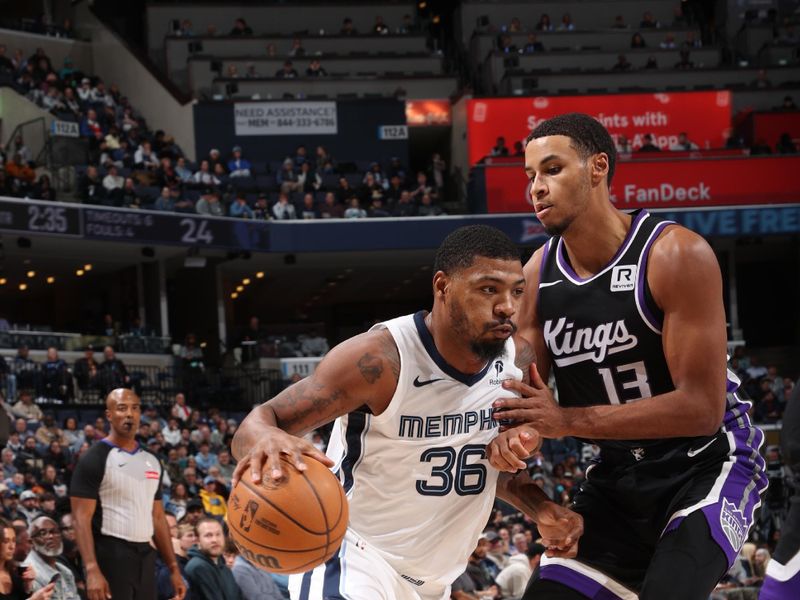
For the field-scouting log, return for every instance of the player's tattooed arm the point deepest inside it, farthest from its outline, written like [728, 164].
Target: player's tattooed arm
[372, 365]
[525, 357]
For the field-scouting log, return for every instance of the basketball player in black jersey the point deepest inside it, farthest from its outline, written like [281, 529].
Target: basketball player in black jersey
[626, 309]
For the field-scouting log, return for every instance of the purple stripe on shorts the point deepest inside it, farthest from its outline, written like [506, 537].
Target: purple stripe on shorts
[780, 590]
[577, 581]
[640, 296]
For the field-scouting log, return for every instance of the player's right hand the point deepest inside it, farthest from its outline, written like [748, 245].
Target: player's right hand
[265, 456]
[97, 587]
[508, 451]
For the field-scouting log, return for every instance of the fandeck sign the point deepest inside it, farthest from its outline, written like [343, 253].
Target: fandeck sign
[705, 116]
[669, 184]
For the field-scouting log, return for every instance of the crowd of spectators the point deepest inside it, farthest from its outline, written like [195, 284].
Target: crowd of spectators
[129, 166]
[408, 25]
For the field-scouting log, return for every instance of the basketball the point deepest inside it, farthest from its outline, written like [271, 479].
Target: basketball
[290, 526]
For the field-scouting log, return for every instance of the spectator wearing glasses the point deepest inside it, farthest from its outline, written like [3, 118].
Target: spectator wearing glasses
[47, 547]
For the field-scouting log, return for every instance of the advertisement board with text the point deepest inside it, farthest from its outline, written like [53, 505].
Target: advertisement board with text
[704, 116]
[681, 183]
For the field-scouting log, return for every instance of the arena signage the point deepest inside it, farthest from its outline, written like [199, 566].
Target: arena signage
[285, 118]
[677, 183]
[704, 116]
[428, 113]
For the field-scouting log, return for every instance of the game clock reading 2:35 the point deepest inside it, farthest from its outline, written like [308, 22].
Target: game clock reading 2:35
[37, 218]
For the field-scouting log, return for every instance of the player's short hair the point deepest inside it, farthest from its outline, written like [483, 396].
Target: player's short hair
[587, 134]
[459, 249]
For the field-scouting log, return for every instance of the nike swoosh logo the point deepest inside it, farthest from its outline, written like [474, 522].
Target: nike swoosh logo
[545, 285]
[418, 383]
[697, 451]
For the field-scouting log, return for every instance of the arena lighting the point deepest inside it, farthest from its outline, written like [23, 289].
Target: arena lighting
[87, 268]
[23, 287]
[246, 281]
[31, 274]
[239, 288]
[79, 272]
[3, 281]
[234, 295]
[51, 279]
[260, 275]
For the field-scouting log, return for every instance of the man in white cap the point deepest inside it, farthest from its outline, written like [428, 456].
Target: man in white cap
[238, 166]
[29, 505]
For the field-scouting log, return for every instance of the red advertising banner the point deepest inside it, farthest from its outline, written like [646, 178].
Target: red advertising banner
[704, 116]
[686, 183]
[768, 127]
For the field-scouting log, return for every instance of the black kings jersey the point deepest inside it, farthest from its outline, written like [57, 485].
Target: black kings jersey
[603, 333]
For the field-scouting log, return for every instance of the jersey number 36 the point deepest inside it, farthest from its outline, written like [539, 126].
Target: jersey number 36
[468, 479]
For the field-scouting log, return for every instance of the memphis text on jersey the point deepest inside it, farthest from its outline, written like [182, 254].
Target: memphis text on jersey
[435, 426]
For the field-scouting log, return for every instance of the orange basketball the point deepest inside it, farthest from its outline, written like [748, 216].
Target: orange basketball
[290, 526]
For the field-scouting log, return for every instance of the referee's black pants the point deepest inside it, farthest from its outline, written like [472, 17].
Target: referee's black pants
[129, 567]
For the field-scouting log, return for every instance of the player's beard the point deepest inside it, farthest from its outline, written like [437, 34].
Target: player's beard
[484, 349]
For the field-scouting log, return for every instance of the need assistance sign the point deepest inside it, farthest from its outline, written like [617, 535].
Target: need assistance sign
[285, 118]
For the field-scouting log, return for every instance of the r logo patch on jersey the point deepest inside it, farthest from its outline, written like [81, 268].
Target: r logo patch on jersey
[623, 278]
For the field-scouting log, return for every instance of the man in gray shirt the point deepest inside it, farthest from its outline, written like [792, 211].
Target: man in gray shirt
[255, 583]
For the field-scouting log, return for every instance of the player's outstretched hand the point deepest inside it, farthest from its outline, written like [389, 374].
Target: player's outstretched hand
[535, 407]
[560, 529]
[265, 455]
[508, 451]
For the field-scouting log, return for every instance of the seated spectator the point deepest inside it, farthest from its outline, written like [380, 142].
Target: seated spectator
[668, 43]
[25, 408]
[240, 28]
[283, 209]
[532, 45]
[406, 26]
[404, 206]
[476, 582]
[544, 23]
[622, 63]
[70, 102]
[684, 144]
[164, 202]
[785, 144]
[47, 549]
[692, 41]
[685, 61]
[56, 378]
[619, 23]
[185, 29]
[251, 72]
[515, 26]
[307, 179]
[130, 197]
[208, 576]
[566, 23]
[519, 149]
[354, 210]
[232, 72]
[331, 208]
[637, 41]
[17, 168]
[90, 188]
[787, 104]
[347, 27]
[377, 210]
[145, 158]
[255, 583]
[238, 166]
[49, 432]
[287, 178]
[271, 50]
[500, 148]
[297, 48]
[315, 69]
[183, 172]
[112, 373]
[43, 190]
[85, 90]
[623, 144]
[209, 204]
[182, 203]
[649, 21]
[649, 145]
[287, 71]
[380, 27]
[18, 581]
[261, 210]
[113, 183]
[240, 209]
[423, 187]
[204, 176]
[651, 63]
[308, 210]
[427, 208]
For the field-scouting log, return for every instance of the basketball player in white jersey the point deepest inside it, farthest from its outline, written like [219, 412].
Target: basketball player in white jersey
[413, 402]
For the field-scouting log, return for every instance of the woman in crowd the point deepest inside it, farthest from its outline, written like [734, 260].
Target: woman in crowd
[16, 583]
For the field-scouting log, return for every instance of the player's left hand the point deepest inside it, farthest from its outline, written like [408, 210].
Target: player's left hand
[535, 407]
[177, 584]
[560, 529]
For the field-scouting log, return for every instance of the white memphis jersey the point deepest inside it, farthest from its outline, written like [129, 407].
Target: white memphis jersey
[419, 485]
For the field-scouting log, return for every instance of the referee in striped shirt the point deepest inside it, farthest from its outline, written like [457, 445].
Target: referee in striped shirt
[115, 494]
